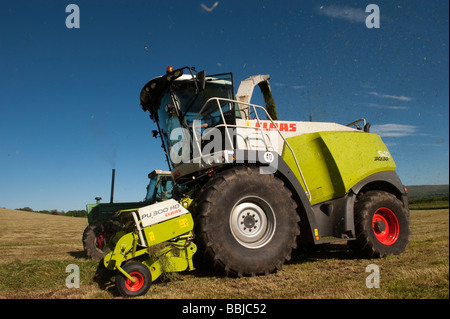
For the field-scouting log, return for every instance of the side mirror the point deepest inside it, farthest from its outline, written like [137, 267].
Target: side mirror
[154, 134]
[201, 76]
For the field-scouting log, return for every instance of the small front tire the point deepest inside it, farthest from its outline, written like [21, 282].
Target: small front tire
[381, 225]
[143, 277]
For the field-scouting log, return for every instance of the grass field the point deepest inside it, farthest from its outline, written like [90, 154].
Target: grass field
[37, 248]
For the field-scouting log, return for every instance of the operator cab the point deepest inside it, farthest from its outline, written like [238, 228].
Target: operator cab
[185, 104]
[160, 187]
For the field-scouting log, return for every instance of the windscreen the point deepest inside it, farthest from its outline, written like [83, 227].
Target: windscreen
[217, 86]
[177, 125]
[150, 190]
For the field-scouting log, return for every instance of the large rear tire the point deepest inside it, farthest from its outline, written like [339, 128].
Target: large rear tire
[381, 225]
[96, 238]
[246, 222]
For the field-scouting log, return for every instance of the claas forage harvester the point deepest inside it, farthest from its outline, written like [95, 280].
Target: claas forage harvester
[253, 187]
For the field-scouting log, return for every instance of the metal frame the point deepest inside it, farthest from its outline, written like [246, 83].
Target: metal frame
[260, 129]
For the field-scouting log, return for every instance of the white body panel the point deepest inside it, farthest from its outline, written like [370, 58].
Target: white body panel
[251, 138]
[157, 213]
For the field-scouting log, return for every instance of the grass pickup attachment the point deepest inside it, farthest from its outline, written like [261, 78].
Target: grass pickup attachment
[155, 239]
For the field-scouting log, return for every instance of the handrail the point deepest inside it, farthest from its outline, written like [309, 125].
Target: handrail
[260, 128]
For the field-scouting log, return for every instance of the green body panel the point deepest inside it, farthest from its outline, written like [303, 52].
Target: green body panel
[100, 212]
[333, 162]
[169, 229]
[172, 259]
[124, 248]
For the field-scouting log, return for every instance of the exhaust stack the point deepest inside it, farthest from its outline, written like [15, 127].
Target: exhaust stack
[112, 184]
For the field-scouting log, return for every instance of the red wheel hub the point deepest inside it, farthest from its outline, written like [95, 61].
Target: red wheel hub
[134, 286]
[385, 226]
[100, 242]
[103, 239]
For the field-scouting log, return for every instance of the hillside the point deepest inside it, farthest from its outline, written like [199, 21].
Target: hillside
[424, 191]
[26, 236]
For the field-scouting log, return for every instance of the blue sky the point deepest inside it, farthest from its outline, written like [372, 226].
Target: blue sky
[69, 98]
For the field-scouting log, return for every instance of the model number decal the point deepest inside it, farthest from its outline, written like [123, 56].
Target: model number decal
[382, 156]
[159, 212]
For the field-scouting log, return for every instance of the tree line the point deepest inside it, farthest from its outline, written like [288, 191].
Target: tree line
[72, 213]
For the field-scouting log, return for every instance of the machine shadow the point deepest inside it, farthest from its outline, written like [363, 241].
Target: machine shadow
[105, 279]
[338, 251]
[80, 254]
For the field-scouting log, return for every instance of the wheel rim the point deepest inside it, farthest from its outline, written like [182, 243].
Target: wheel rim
[385, 226]
[101, 241]
[134, 286]
[252, 222]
